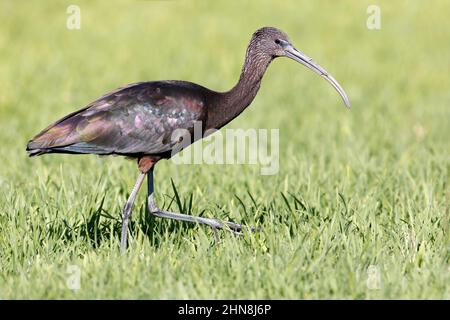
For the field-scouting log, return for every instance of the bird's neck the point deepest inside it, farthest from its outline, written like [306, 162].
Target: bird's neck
[228, 105]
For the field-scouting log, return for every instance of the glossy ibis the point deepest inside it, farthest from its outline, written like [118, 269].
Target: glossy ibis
[139, 120]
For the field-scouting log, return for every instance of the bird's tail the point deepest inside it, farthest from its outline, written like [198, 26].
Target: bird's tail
[55, 137]
[47, 140]
[35, 149]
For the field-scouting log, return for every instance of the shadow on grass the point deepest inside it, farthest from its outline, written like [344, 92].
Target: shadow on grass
[100, 226]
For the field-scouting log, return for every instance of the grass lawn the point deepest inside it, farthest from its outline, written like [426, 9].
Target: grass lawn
[360, 207]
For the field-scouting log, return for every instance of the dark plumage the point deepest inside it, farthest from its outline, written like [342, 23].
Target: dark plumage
[141, 119]
[136, 120]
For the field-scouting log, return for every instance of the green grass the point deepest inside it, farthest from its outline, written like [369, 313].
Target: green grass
[360, 189]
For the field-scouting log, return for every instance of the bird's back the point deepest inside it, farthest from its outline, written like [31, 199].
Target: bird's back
[139, 119]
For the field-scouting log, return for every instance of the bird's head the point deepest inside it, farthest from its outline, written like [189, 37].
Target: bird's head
[274, 43]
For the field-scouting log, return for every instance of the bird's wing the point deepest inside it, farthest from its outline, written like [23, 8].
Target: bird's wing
[141, 118]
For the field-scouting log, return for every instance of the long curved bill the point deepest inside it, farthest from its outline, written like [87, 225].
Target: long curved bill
[302, 58]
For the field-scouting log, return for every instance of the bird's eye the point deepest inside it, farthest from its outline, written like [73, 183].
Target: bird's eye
[277, 41]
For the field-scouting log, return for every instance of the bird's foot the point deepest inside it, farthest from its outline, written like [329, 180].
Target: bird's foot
[213, 223]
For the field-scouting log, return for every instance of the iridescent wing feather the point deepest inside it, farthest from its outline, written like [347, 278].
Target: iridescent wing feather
[139, 119]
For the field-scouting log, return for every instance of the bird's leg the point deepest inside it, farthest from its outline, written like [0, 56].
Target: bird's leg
[127, 211]
[214, 223]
